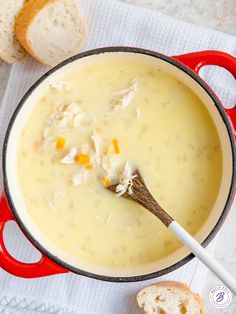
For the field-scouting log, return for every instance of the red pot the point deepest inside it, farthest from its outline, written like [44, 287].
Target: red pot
[186, 67]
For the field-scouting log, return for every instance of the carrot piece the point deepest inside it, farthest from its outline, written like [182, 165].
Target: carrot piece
[60, 142]
[116, 145]
[83, 159]
[89, 167]
[106, 181]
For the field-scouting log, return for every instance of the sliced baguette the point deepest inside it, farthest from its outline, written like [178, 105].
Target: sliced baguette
[50, 30]
[10, 50]
[170, 297]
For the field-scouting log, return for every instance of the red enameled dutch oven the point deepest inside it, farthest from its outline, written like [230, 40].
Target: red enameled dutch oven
[185, 68]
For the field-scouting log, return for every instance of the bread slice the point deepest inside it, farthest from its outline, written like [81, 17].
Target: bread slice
[50, 30]
[170, 297]
[10, 50]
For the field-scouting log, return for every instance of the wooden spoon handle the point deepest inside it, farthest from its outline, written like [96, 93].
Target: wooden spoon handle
[158, 211]
[203, 255]
[193, 245]
[142, 196]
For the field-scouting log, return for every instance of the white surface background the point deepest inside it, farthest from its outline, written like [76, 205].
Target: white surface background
[220, 15]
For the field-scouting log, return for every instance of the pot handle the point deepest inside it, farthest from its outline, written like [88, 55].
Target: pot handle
[44, 267]
[196, 60]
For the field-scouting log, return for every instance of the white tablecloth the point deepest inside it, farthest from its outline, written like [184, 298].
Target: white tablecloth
[110, 23]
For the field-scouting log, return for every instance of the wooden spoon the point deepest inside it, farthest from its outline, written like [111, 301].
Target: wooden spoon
[142, 196]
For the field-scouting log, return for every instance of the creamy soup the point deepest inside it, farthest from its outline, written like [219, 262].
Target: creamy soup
[93, 127]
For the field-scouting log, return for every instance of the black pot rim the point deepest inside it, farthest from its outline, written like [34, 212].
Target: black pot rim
[223, 115]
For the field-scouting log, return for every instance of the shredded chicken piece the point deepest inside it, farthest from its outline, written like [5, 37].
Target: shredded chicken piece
[123, 97]
[67, 116]
[50, 204]
[69, 113]
[96, 141]
[118, 221]
[111, 166]
[63, 122]
[138, 114]
[54, 200]
[90, 190]
[60, 86]
[70, 157]
[47, 138]
[126, 181]
[108, 219]
[84, 148]
[79, 177]
[78, 119]
[96, 158]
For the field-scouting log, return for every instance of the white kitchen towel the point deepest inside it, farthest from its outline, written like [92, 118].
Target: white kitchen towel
[109, 23]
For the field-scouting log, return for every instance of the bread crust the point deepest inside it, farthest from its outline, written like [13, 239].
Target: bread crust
[200, 301]
[172, 284]
[23, 20]
[12, 60]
